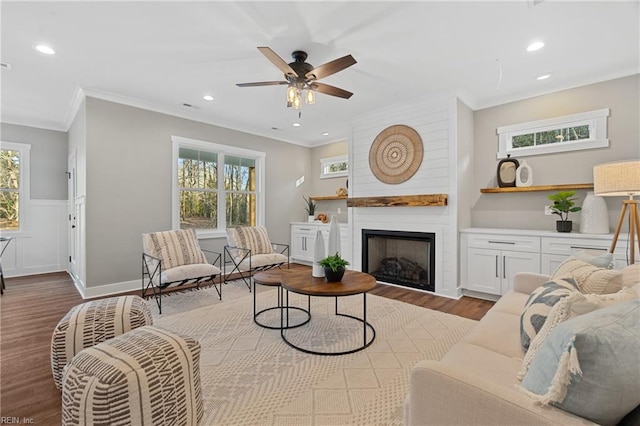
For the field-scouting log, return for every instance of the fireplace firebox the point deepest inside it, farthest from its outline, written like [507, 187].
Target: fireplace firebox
[400, 257]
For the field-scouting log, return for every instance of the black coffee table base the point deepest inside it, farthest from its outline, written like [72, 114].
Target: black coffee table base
[281, 308]
[366, 340]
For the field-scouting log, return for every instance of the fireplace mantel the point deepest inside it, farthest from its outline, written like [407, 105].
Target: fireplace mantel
[423, 200]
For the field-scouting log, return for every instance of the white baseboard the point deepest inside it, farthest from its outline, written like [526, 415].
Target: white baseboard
[107, 289]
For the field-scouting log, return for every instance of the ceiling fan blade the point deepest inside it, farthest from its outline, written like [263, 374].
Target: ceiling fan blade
[278, 61]
[262, 83]
[331, 90]
[332, 67]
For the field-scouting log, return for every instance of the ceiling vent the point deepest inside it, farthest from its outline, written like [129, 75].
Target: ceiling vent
[5, 66]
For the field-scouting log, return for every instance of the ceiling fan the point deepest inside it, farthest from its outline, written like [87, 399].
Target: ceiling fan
[301, 77]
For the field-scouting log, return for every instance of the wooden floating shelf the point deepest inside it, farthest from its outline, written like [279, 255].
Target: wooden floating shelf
[430, 200]
[329, 198]
[565, 187]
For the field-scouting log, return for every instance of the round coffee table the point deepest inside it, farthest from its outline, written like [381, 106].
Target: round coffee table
[271, 278]
[353, 282]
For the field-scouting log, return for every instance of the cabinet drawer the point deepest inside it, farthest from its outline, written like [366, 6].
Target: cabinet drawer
[568, 246]
[504, 242]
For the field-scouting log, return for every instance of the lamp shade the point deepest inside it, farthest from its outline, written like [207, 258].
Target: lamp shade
[620, 178]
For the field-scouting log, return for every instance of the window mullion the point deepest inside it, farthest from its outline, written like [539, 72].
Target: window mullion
[222, 195]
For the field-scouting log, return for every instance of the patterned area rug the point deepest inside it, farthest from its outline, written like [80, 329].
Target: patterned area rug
[251, 377]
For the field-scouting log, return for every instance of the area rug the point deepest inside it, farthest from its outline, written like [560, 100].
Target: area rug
[251, 377]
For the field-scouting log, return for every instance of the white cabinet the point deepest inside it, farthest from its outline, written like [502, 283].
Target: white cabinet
[489, 258]
[490, 261]
[303, 239]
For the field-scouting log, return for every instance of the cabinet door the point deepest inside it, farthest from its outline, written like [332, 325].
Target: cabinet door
[302, 242]
[484, 270]
[550, 262]
[514, 262]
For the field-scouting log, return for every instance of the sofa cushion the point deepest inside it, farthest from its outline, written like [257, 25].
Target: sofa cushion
[512, 302]
[570, 307]
[588, 365]
[538, 306]
[589, 278]
[498, 332]
[174, 248]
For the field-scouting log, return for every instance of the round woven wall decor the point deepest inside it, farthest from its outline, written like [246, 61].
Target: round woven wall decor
[396, 154]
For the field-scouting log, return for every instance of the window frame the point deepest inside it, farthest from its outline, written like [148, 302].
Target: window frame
[325, 163]
[596, 120]
[24, 195]
[221, 150]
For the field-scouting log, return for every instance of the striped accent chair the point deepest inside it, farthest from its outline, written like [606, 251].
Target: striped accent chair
[249, 250]
[94, 322]
[174, 258]
[148, 376]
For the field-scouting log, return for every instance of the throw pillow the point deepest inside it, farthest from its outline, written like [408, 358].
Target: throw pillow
[589, 278]
[588, 365]
[254, 238]
[567, 308]
[631, 275]
[603, 260]
[538, 306]
[174, 248]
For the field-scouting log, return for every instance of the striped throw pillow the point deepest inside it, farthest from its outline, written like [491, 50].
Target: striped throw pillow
[174, 248]
[254, 238]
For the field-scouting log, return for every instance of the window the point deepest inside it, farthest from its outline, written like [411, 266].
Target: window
[334, 167]
[568, 133]
[216, 187]
[14, 185]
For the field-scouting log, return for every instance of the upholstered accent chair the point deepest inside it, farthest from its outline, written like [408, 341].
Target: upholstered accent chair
[148, 376]
[249, 250]
[174, 258]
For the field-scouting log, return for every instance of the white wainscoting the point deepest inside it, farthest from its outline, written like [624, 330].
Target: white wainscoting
[43, 247]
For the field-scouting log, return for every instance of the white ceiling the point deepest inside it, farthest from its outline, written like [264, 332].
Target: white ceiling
[162, 54]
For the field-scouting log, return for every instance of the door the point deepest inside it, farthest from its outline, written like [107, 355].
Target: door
[484, 270]
[72, 210]
[514, 262]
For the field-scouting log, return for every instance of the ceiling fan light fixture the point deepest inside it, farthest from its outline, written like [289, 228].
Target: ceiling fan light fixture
[310, 98]
[291, 93]
[297, 101]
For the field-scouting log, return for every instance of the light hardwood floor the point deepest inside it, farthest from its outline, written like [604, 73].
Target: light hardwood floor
[32, 306]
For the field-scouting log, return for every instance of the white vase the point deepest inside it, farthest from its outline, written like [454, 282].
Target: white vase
[527, 179]
[318, 254]
[333, 243]
[311, 218]
[594, 217]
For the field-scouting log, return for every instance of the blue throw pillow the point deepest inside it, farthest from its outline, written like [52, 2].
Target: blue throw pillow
[589, 365]
[539, 305]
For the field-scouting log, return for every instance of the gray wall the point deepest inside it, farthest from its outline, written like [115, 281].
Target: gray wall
[48, 159]
[464, 169]
[129, 183]
[525, 210]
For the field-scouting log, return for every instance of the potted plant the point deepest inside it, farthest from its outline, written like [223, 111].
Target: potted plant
[334, 267]
[563, 204]
[310, 207]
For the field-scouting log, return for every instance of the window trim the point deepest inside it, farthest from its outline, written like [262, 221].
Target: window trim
[597, 121]
[327, 162]
[24, 193]
[222, 150]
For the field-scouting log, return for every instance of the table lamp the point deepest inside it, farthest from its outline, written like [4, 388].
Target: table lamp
[619, 179]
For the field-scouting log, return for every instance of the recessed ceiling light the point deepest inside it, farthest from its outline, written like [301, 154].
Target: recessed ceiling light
[325, 134]
[43, 48]
[207, 97]
[536, 45]
[543, 76]
[296, 124]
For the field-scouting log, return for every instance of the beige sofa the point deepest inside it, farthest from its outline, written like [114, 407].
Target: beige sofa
[475, 382]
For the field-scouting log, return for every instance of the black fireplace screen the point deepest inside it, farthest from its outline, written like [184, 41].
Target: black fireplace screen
[400, 257]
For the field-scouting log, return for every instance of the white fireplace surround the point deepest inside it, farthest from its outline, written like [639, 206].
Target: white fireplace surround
[435, 121]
